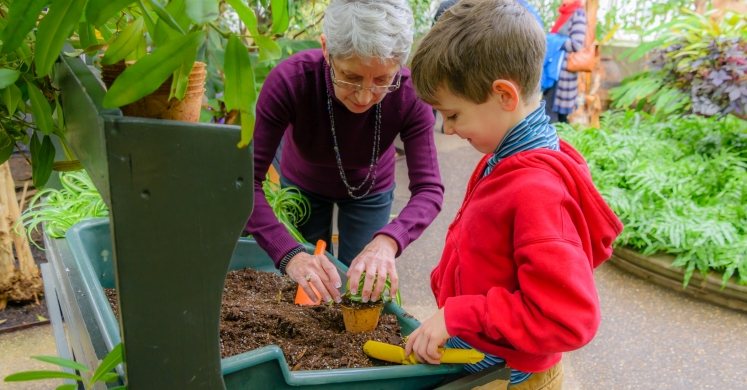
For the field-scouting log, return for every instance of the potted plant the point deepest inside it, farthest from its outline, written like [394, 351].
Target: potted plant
[362, 316]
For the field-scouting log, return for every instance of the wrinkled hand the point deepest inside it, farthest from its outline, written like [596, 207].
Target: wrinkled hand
[377, 260]
[426, 339]
[323, 273]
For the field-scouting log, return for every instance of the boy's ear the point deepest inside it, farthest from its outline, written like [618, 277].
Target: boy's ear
[506, 94]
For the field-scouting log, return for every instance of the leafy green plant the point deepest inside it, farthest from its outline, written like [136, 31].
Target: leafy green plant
[290, 207]
[59, 210]
[102, 374]
[678, 185]
[385, 294]
[698, 65]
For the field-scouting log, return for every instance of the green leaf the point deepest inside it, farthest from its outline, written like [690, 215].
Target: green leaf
[141, 50]
[62, 362]
[202, 11]
[5, 153]
[177, 9]
[22, 16]
[8, 77]
[180, 80]
[110, 361]
[68, 387]
[240, 92]
[98, 12]
[42, 159]
[268, 49]
[36, 375]
[110, 377]
[53, 31]
[247, 128]
[246, 15]
[280, 16]
[125, 43]
[87, 35]
[42, 110]
[165, 16]
[146, 75]
[40, 318]
[119, 388]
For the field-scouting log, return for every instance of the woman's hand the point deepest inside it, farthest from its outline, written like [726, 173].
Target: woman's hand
[377, 260]
[317, 270]
[426, 339]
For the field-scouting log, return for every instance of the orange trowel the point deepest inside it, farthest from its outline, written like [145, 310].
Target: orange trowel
[396, 354]
[301, 297]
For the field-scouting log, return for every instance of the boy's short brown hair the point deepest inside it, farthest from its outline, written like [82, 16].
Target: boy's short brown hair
[476, 42]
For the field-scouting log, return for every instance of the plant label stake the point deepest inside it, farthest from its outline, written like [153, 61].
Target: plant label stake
[301, 297]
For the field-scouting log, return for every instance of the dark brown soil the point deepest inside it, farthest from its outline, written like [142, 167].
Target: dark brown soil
[258, 311]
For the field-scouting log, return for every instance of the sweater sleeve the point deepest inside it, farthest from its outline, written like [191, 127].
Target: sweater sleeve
[575, 42]
[555, 307]
[427, 191]
[274, 114]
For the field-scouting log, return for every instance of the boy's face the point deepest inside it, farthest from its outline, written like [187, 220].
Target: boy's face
[483, 125]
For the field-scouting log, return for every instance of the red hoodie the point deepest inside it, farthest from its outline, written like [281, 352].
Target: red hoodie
[516, 276]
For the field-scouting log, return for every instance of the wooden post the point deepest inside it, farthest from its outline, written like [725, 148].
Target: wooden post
[700, 6]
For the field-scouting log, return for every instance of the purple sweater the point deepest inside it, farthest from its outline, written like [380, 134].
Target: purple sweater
[293, 104]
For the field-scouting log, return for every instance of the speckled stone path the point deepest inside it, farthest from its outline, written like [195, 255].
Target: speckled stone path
[15, 351]
[650, 337]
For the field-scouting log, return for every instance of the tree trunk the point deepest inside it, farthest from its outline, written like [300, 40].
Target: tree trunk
[24, 283]
[8, 273]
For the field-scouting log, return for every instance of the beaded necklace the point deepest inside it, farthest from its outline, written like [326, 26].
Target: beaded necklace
[373, 167]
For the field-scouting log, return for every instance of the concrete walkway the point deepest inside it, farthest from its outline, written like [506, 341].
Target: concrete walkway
[650, 337]
[15, 351]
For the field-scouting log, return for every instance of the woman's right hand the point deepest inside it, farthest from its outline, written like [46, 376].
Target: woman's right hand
[304, 268]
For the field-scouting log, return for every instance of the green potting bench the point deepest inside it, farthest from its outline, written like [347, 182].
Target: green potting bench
[179, 195]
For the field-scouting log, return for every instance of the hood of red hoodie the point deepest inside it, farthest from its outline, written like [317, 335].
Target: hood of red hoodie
[570, 166]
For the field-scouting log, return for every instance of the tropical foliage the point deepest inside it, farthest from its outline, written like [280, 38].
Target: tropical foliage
[679, 186]
[698, 66]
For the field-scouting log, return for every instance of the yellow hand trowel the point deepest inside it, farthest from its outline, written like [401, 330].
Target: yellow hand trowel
[395, 354]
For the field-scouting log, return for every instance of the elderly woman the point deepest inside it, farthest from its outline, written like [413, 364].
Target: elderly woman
[338, 111]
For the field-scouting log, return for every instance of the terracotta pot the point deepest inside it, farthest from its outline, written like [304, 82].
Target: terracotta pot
[359, 320]
[157, 105]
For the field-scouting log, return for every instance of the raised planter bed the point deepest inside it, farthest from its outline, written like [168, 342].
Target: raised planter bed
[657, 269]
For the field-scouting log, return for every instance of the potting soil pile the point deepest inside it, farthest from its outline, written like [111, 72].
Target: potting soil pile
[258, 310]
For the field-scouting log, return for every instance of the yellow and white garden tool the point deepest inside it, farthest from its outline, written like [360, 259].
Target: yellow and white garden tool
[396, 354]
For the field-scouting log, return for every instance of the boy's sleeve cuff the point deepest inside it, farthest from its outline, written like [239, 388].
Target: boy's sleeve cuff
[464, 314]
[398, 234]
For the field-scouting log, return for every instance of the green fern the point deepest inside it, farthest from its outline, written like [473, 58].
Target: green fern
[678, 186]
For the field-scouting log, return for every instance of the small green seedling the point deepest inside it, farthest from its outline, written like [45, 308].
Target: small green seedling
[102, 374]
[385, 295]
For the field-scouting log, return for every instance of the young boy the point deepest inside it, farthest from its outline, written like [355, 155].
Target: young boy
[515, 279]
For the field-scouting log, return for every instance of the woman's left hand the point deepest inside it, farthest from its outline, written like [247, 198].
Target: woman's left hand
[427, 338]
[377, 260]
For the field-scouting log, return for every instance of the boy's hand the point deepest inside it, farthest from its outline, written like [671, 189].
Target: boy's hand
[426, 339]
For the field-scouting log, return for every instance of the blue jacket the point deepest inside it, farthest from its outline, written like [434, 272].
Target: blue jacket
[553, 60]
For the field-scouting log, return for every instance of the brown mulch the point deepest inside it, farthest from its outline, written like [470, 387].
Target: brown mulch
[258, 311]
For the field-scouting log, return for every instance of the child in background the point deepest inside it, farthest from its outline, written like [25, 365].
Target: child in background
[516, 278]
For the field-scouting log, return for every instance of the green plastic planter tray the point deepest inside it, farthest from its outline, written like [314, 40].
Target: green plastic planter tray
[266, 368]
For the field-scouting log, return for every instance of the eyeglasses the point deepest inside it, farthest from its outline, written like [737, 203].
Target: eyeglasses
[377, 89]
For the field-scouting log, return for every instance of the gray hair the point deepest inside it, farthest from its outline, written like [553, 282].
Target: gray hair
[369, 29]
